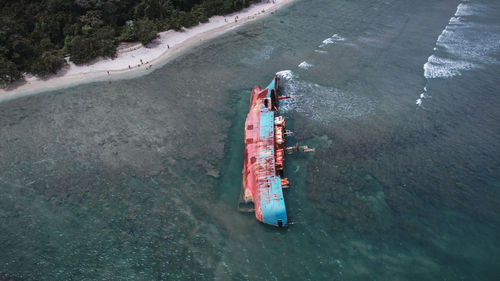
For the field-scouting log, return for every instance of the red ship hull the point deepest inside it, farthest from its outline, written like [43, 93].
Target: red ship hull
[263, 158]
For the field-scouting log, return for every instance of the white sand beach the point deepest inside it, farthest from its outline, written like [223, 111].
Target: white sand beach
[135, 57]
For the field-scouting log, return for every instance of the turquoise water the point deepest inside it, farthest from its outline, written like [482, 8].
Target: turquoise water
[139, 179]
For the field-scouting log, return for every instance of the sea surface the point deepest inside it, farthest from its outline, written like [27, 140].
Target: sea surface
[138, 179]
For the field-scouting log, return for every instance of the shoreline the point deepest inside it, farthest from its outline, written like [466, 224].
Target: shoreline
[133, 58]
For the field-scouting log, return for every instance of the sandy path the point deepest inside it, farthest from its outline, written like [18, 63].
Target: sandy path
[139, 58]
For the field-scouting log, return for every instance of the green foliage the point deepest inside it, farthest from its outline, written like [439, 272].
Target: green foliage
[8, 72]
[81, 49]
[128, 34]
[154, 9]
[35, 34]
[174, 21]
[199, 13]
[142, 30]
[187, 19]
[145, 31]
[105, 43]
[92, 18]
[91, 44]
[49, 62]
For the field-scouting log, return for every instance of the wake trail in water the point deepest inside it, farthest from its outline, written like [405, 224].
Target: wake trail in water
[467, 42]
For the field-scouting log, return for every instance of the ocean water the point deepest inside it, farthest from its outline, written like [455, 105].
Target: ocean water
[139, 179]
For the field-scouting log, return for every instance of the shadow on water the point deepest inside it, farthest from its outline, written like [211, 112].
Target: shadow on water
[230, 184]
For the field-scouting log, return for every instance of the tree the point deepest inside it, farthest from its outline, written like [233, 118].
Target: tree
[199, 13]
[104, 41]
[128, 34]
[8, 72]
[174, 21]
[94, 43]
[21, 50]
[35, 35]
[81, 49]
[154, 9]
[48, 63]
[145, 31]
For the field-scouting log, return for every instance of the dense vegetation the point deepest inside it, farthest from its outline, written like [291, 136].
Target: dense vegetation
[36, 35]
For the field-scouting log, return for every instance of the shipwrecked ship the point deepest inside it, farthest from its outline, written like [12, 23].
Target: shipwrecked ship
[265, 149]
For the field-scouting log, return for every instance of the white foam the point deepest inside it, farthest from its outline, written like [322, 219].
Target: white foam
[286, 74]
[337, 37]
[305, 65]
[441, 38]
[465, 43]
[455, 20]
[463, 9]
[321, 51]
[422, 96]
[321, 103]
[437, 67]
[331, 40]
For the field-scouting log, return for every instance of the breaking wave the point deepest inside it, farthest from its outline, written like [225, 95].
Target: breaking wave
[305, 65]
[286, 74]
[437, 67]
[465, 43]
[321, 103]
[422, 96]
[332, 40]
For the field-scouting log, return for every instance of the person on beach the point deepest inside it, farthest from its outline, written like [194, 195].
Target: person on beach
[168, 46]
[129, 66]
